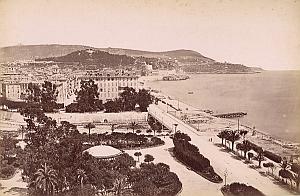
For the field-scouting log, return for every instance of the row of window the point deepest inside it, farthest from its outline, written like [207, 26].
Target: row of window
[124, 84]
[108, 95]
[115, 79]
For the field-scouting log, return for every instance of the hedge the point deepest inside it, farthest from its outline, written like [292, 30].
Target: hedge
[272, 156]
[295, 167]
[189, 154]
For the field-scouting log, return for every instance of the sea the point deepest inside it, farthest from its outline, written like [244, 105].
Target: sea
[271, 98]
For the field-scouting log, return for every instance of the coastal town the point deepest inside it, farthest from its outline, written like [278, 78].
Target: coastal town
[149, 98]
[113, 115]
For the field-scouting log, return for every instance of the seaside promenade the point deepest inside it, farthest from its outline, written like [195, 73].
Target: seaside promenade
[221, 161]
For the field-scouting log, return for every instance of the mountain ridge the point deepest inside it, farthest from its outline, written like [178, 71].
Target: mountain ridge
[189, 60]
[31, 52]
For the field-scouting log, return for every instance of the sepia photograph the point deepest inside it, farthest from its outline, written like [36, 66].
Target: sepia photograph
[149, 97]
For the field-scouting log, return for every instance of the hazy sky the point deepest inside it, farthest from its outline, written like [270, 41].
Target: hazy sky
[262, 33]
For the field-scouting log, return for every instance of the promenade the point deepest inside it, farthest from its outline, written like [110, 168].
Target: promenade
[221, 161]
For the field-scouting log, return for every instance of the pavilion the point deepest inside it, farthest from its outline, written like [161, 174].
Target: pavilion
[104, 152]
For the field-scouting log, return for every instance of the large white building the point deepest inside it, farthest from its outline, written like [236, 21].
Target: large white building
[13, 85]
[110, 83]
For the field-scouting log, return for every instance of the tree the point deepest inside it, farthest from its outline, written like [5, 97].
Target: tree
[144, 99]
[133, 125]
[7, 146]
[223, 135]
[128, 97]
[240, 146]
[81, 176]
[250, 155]
[269, 165]
[149, 131]
[284, 164]
[87, 97]
[246, 147]
[159, 131]
[260, 155]
[89, 126]
[297, 179]
[46, 180]
[33, 93]
[296, 169]
[138, 154]
[243, 133]
[148, 158]
[113, 106]
[48, 96]
[156, 127]
[113, 127]
[233, 136]
[285, 174]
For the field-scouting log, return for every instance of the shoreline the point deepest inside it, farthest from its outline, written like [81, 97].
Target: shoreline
[269, 142]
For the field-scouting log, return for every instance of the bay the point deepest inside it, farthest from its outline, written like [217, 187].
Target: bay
[271, 98]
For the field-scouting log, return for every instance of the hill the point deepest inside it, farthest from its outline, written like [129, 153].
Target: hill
[188, 60]
[31, 52]
[98, 58]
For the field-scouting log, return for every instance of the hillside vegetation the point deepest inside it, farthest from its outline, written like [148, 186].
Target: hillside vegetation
[188, 60]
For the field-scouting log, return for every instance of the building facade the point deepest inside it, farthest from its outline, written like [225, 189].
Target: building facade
[110, 83]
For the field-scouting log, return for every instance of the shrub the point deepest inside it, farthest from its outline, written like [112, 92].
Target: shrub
[239, 189]
[272, 156]
[78, 108]
[189, 154]
[157, 141]
[12, 104]
[295, 168]
[6, 171]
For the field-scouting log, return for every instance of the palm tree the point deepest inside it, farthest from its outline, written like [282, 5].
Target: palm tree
[133, 125]
[243, 133]
[46, 180]
[233, 136]
[260, 155]
[89, 126]
[297, 179]
[223, 135]
[246, 147]
[113, 127]
[81, 176]
[239, 146]
[138, 154]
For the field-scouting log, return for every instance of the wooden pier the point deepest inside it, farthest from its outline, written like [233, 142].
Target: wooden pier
[231, 115]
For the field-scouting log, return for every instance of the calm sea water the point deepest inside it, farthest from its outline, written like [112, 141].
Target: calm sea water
[271, 98]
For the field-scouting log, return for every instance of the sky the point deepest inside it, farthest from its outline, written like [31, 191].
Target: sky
[264, 33]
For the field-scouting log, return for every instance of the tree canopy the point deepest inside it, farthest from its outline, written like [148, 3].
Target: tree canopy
[87, 99]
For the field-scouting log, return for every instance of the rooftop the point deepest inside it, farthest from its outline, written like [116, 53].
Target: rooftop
[103, 151]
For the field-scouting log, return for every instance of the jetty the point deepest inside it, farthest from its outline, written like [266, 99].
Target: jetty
[231, 115]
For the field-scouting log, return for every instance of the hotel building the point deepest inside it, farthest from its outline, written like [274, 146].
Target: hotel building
[110, 83]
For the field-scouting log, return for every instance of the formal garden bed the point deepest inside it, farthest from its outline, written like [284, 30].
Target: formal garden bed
[124, 141]
[190, 156]
[239, 189]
